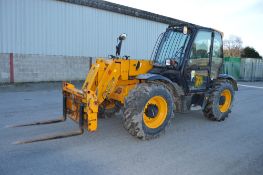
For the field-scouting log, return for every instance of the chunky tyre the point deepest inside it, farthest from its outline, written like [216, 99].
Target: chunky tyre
[147, 110]
[220, 101]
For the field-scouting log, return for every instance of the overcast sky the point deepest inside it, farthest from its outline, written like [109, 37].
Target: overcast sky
[243, 18]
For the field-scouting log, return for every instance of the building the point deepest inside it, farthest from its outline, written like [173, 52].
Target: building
[49, 40]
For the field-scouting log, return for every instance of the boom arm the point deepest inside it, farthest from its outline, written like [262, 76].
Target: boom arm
[107, 79]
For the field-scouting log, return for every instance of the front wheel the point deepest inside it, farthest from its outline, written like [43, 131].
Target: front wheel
[147, 110]
[219, 102]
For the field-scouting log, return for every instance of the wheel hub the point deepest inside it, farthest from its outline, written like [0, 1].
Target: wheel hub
[151, 111]
[155, 112]
[222, 100]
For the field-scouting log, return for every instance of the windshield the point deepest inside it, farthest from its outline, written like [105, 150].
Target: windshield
[170, 45]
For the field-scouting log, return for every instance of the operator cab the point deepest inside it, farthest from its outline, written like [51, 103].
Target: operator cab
[189, 55]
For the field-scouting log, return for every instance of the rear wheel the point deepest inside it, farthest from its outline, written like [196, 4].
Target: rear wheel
[147, 111]
[220, 101]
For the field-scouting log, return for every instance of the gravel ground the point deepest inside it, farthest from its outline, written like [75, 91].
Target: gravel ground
[192, 144]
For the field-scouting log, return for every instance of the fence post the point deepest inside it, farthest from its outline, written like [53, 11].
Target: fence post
[11, 66]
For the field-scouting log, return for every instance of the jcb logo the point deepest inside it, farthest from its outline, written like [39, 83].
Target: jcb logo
[198, 80]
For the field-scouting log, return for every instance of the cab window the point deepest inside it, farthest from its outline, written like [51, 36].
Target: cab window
[200, 49]
[217, 57]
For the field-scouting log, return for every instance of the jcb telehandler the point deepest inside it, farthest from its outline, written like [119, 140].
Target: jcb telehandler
[183, 72]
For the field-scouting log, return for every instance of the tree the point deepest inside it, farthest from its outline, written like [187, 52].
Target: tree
[233, 46]
[250, 52]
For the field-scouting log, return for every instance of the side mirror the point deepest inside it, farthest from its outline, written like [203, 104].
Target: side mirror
[118, 47]
[122, 36]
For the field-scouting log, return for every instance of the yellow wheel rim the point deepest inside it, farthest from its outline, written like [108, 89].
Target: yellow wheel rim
[159, 118]
[228, 98]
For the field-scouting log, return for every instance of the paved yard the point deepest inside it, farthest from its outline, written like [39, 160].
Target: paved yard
[192, 144]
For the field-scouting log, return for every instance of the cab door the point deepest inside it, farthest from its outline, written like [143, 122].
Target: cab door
[217, 56]
[198, 64]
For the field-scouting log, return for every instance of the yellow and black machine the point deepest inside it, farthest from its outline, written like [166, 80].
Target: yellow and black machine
[183, 72]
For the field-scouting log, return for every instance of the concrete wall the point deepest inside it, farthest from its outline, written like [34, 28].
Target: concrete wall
[36, 68]
[4, 68]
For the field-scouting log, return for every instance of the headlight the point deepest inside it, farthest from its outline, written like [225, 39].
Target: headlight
[168, 62]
